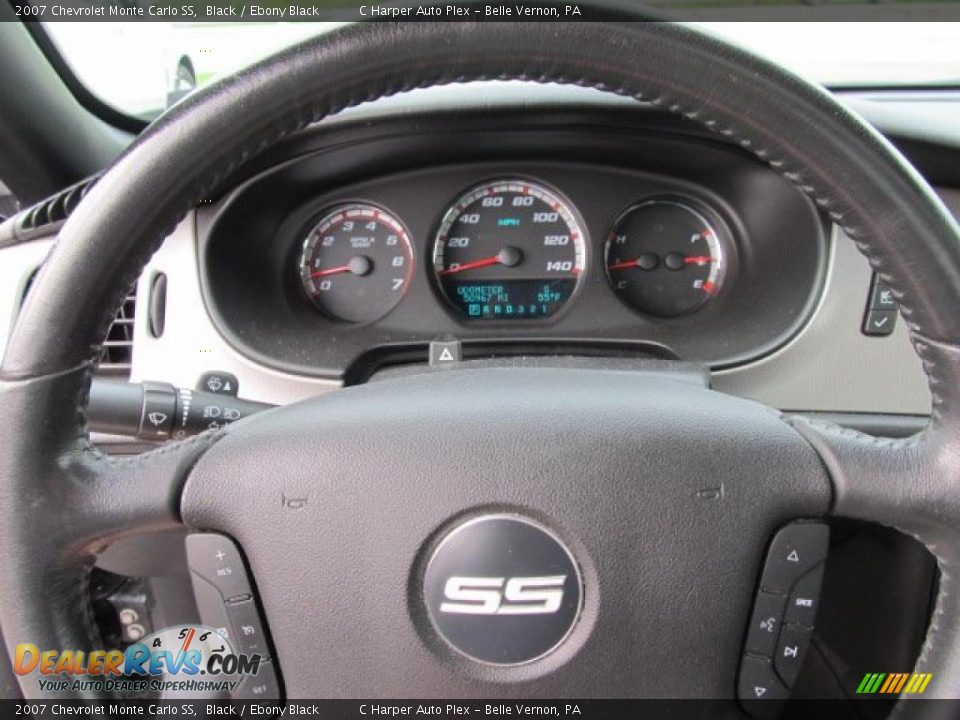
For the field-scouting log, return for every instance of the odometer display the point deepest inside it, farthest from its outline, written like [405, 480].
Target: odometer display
[509, 250]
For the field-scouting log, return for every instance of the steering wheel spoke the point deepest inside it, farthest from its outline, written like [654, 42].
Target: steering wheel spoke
[138, 493]
[911, 485]
[875, 479]
[82, 497]
[73, 501]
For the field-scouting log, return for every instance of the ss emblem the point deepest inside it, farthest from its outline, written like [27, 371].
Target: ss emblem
[503, 596]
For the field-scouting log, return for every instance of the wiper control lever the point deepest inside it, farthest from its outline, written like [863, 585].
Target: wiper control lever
[160, 411]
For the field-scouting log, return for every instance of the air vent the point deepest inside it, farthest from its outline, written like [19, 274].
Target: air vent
[48, 215]
[117, 354]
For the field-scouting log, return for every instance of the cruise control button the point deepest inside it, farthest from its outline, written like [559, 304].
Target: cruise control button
[210, 606]
[805, 598]
[262, 686]
[794, 641]
[216, 559]
[248, 634]
[760, 691]
[794, 551]
[765, 623]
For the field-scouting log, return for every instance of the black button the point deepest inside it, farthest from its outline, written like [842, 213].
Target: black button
[445, 352]
[216, 559]
[760, 690]
[219, 383]
[794, 641]
[880, 322]
[262, 686]
[211, 607]
[248, 636]
[794, 551]
[765, 623]
[805, 599]
[881, 298]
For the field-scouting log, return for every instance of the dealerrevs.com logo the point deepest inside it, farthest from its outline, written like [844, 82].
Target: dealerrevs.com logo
[189, 658]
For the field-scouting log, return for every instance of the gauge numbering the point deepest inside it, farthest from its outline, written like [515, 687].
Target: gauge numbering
[509, 250]
[357, 262]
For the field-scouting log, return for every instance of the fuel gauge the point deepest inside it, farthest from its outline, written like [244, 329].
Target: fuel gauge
[665, 258]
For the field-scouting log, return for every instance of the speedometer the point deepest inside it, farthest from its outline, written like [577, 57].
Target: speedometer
[509, 250]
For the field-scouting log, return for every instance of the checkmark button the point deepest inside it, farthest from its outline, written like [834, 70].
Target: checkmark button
[879, 323]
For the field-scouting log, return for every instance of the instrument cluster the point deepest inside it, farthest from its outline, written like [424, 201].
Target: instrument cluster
[357, 247]
[514, 249]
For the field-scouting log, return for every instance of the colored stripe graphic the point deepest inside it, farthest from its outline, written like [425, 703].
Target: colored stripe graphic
[903, 680]
[892, 679]
[894, 683]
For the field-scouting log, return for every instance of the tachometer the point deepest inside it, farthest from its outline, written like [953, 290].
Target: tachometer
[665, 258]
[356, 262]
[509, 250]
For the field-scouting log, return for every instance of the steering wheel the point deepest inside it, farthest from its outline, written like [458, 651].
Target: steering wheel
[611, 467]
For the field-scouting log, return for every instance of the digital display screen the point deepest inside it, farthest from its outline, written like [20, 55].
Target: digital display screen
[512, 299]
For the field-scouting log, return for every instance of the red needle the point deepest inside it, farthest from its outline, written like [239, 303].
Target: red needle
[330, 271]
[623, 265]
[697, 259]
[494, 260]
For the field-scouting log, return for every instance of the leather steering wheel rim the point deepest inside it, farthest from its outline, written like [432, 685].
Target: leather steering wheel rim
[61, 500]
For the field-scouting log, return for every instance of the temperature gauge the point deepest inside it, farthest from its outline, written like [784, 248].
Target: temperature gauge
[664, 258]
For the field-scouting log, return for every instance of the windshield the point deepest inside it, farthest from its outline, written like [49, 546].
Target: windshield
[140, 68]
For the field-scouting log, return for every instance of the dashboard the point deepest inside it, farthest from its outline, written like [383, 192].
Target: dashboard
[781, 321]
[513, 236]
